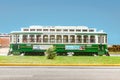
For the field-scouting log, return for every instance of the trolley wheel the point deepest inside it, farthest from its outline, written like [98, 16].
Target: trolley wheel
[107, 54]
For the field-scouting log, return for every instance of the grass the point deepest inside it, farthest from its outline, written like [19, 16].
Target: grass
[61, 59]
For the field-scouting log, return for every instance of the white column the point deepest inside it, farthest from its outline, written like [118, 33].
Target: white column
[41, 38]
[62, 38]
[104, 39]
[35, 38]
[48, 38]
[75, 38]
[55, 38]
[88, 39]
[28, 38]
[101, 39]
[82, 40]
[96, 38]
[12, 38]
[21, 38]
[68, 38]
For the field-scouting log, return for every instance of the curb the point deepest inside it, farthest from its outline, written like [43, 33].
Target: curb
[29, 64]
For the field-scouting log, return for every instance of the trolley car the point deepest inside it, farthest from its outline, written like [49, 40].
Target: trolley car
[76, 40]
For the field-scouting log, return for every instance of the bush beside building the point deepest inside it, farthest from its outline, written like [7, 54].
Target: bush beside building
[4, 40]
[114, 48]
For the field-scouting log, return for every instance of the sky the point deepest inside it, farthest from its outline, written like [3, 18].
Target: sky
[99, 14]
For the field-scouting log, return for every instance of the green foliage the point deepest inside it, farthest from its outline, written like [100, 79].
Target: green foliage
[51, 52]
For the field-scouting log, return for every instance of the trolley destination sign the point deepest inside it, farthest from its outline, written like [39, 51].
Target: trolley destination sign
[74, 47]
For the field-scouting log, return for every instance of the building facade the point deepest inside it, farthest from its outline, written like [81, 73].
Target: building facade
[4, 40]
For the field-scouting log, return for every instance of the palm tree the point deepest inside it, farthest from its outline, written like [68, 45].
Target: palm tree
[51, 52]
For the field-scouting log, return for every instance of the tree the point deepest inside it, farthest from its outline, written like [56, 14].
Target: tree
[51, 52]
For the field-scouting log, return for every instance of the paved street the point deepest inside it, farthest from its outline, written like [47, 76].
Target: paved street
[59, 73]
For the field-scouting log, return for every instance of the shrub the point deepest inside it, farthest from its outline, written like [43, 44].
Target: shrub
[51, 52]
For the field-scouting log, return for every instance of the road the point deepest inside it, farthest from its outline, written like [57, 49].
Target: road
[59, 73]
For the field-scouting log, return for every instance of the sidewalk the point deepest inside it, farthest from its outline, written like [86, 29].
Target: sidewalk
[29, 64]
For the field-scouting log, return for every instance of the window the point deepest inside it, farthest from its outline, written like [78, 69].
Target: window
[25, 29]
[71, 30]
[32, 38]
[45, 29]
[38, 38]
[72, 38]
[52, 38]
[58, 30]
[91, 30]
[79, 39]
[65, 30]
[85, 39]
[65, 39]
[52, 29]
[84, 30]
[78, 30]
[24, 38]
[39, 29]
[101, 39]
[32, 29]
[45, 38]
[59, 38]
[92, 39]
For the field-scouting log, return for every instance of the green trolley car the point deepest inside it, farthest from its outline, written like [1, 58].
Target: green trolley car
[75, 40]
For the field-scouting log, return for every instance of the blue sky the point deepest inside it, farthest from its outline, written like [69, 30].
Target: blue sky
[100, 14]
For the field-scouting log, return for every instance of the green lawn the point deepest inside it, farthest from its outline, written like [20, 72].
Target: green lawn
[61, 59]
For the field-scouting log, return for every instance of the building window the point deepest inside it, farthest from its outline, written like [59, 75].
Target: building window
[32, 39]
[79, 39]
[25, 29]
[78, 30]
[24, 38]
[52, 29]
[32, 29]
[59, 39]
[52, 38]
[100, 39]
[65, 39]
[72, 30]
[65, 30]
[45, 29]
[91, 30]
[72, 38]
[39, 29]
[84, 30]
[92, 39]
[58, 30]
[38, 38]
[85, 39]
[45, 38]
